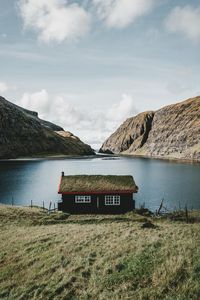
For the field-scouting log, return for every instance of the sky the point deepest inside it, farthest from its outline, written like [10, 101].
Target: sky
[89, 65]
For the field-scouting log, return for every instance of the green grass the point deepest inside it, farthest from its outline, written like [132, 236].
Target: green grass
[137, 269]
[57, 256]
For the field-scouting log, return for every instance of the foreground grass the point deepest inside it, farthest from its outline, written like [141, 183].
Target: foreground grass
[58, 256]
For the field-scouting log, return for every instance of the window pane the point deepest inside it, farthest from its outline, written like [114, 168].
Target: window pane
[112, 200]
[83, 199]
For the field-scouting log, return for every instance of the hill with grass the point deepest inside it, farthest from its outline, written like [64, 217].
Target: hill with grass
[58, 256]
[22, 133]
[171, 132]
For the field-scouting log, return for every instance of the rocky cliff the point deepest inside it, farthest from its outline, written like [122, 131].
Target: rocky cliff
[171, 132]
[22, 133]
[34, 115]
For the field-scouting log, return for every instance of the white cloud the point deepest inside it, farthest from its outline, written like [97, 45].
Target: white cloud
[121, 13]
[3, 87]
[92, 126]
[185, 20]
[120, 111]
[65, 113]
[38, 101]
[54, 20]
[59, 20]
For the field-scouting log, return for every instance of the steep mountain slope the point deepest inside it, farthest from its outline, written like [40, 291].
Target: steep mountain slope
[22, 133]
[34, 114]
[171, 132]
[132, 133]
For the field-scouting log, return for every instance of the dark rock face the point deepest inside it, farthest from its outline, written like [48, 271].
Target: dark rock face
[171, 132]
[132, 134]
[22, 133]
[176, 131]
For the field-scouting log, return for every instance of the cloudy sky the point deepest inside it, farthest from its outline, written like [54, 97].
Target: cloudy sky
[88, 65]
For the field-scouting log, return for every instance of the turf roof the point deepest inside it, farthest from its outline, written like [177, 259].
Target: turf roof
[96, 183]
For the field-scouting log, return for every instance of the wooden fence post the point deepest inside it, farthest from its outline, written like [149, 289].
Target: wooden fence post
[186, 214]
[49, 206]
[161, 205]
[179, 204]
[43, 204]
[31, 203]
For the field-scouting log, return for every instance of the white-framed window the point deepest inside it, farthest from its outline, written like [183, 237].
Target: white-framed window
[82, 199]
[112, 200]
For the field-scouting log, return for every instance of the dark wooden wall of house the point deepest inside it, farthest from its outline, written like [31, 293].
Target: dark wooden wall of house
[68, 205]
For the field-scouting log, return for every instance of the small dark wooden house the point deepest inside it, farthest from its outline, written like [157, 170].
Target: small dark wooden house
[97, 194]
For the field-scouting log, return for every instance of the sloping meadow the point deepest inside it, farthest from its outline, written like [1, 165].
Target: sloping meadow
[57, 256]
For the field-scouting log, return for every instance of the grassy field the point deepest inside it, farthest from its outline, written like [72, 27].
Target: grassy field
[56, 256]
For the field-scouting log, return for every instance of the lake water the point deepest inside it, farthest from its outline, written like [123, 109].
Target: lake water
[37, 180]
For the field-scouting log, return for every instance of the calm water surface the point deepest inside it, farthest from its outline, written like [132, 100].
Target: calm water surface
[38, 180]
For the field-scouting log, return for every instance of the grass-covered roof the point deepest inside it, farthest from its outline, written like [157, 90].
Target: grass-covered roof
[96, 183]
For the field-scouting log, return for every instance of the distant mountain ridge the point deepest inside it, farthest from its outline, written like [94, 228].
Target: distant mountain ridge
[170, 132]
[22, 133]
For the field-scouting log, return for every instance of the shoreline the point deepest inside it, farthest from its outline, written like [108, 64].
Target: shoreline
[52, 157]
[59, 156]
[169, 159]
[102, 155]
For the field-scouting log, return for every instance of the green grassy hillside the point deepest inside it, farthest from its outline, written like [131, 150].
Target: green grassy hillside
[58, 256]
